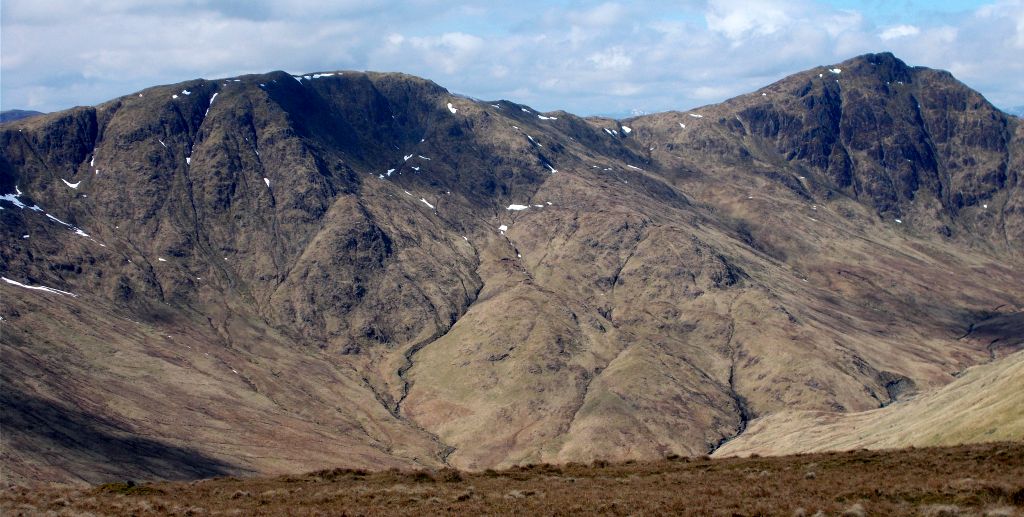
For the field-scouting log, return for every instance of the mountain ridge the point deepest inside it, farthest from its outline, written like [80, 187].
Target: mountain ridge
[485, 285]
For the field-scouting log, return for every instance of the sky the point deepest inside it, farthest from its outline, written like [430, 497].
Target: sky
[586, 57]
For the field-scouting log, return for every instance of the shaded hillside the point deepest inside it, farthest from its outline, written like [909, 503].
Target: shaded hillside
[273, 273]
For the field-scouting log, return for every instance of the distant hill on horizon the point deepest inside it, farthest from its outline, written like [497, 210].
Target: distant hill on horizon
[12, 115]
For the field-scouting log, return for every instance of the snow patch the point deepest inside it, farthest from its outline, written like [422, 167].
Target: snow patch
[186, 92]
[406, 157]
[161, 259]
[696, 115]
[188, 160]
[899, 221]
[425, 202]
[214, 96]
[452, 109]
[13, 199]
[503, 228]
[627, 129]
[682, 126]
[72, 185]
[553, 170]
[38, 287]
[267, 181]
[835, 70]
[542, 117]
[58, 220]
[517, 207]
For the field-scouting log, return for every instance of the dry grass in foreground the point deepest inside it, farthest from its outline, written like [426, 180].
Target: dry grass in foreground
[986, 479]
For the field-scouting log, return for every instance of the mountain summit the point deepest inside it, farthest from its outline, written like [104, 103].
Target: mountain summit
[273, 273]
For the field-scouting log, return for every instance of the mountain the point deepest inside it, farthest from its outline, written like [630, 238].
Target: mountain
[276, 273]
[12, 115]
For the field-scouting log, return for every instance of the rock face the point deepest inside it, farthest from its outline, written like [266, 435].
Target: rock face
[273, 273]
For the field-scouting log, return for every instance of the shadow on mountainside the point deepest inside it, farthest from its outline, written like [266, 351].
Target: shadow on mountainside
[1002, 332]
[88, 447]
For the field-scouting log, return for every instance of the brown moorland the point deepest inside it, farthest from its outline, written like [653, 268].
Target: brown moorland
[983, 479]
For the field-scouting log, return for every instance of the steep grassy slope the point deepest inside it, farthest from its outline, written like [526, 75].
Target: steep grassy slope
[365, 269]
[985, 404]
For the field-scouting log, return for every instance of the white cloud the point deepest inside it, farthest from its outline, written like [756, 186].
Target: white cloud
[614, 59]
[711, 93]
[899, 31]
[739, 18]
[625, 89]
[1011, 11]
[604, 15]
[499, 71]
[451, 50]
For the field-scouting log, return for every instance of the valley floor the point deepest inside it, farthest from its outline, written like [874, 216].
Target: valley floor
[983, 479]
